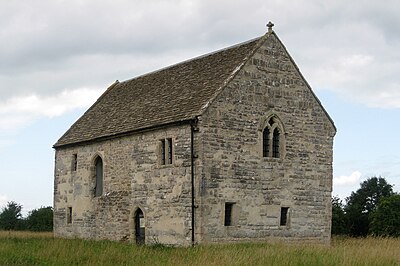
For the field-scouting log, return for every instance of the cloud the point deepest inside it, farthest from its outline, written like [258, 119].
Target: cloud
[51, 46]
[344, 181]
[348, 49]
[17, 112]
[362, 78]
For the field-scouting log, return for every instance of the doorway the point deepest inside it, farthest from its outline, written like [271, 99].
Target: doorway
[139, 227]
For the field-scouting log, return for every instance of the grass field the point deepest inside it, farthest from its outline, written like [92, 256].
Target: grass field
[25, 248]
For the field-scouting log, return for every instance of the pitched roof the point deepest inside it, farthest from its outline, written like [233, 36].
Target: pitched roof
[173, 94]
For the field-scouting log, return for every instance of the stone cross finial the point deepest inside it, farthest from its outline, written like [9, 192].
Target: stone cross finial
[270, 25]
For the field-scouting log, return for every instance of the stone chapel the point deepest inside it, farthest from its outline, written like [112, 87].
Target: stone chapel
[229, 146]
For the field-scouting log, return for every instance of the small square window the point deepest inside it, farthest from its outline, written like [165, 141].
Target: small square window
[284, 216]
[69, 215]
[228, 213]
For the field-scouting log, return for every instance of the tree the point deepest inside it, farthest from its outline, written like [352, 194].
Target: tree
[362, 203]
[11, 217]
[339, 222]
[386, 218]
[40, 219]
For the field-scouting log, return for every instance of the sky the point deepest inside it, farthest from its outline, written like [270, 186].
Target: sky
[57, 57]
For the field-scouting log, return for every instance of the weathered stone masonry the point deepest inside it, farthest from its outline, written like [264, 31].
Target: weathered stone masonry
[133, 178]
[232, 95]
[235, 171]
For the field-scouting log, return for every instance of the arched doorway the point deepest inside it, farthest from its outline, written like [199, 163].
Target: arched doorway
[139, 227]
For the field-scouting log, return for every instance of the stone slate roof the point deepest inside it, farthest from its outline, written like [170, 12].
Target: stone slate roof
[173, 94]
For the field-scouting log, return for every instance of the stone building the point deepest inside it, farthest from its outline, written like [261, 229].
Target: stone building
[229, 146]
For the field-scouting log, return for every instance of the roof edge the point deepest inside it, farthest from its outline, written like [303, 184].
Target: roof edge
[90, 108]
[245, 60]
[306, 82]
[128, 133]
[234, 72]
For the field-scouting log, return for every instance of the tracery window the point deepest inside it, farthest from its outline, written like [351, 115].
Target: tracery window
[272, 138]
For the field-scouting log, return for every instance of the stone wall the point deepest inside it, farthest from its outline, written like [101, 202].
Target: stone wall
[231, 167]
[133, 178]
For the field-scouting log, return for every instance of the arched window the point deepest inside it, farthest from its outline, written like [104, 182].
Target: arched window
[272, 146]
[266, 142]
[99, 176]
[275, 143]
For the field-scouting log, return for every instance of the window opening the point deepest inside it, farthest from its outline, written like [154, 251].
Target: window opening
[275, 143]
[271, 139]
[166, 152]
[69, 215]
[74, 162]
[284, 216]
[99, 177]
[271, 122]
[228, 214]
[266, 142]
[162, 151]
[169, 142]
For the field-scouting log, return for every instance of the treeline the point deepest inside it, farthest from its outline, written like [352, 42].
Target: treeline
[374, 209]
[37, 220]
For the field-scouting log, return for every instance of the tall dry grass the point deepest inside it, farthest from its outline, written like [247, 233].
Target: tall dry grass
[25, 234]
[24, 248]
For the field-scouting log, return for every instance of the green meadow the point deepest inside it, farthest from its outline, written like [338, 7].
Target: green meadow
[27, 248]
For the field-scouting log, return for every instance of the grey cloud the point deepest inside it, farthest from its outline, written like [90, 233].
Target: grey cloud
[48, 46]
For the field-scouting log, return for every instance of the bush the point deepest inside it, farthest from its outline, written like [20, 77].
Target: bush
[386, 219]
[363, 203]
[339, 222]
[40, 219]
[10, 217]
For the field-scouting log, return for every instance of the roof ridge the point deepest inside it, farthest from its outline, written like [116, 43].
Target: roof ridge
[174, 93]
[193, 59]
